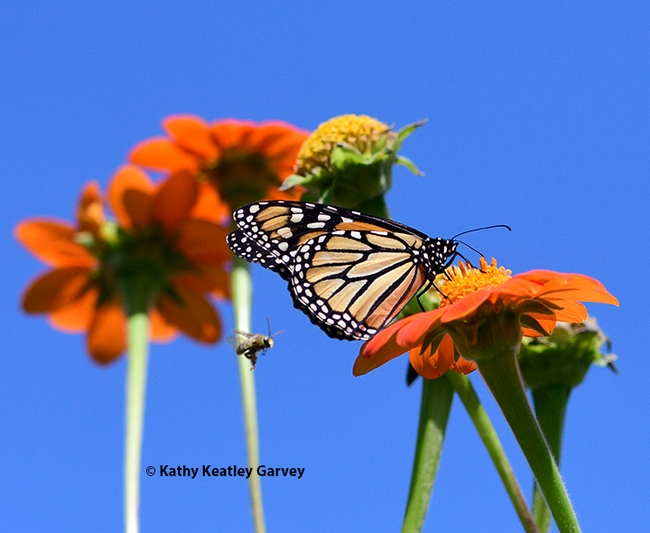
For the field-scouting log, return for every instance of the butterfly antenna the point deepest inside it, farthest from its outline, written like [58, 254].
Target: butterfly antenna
[471, 248]
[480, 229]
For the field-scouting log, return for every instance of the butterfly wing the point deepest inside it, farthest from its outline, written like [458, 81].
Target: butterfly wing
[350, 272]
[248, 249]
[352, 283]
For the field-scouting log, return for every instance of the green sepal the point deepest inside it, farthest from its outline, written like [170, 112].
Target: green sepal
[294, 180]
[406, 131]
[530, 323]
[405, 161]
[344, 154]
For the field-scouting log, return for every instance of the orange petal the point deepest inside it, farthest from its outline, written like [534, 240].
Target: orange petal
[433, 365]
[539, 276]
[130, 194]
[571, 312]
[163, 155]
[195, 316]
[221, 283]
[278, 139]
[52, 242]
[206, 279]
[463, 366]
[519, 286]
[578, 288]
[107, 334]
[55, 289]
[412, 332]
[380, 349]
[77, 316]
[209, 206]
[203, 242]
[90, 209]
[174, 200]
[465, 307]
[160, 330]
[230, 133]
[193, 134]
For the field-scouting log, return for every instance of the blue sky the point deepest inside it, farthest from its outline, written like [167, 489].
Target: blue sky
[538, 118]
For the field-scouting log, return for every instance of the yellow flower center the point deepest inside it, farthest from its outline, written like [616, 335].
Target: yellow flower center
[360, 131]
[464, 280]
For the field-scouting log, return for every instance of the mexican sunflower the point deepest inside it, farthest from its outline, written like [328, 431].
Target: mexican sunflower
[244, 161]
[159, 234]
[483, 312]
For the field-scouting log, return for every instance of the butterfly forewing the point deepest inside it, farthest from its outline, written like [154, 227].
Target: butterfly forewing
[351, 273]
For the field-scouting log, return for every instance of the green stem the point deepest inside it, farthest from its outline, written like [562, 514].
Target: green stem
[502, 377]
[242, 294]
[374, 206]
[136, 293]
[437, 396]
[550, 407]
[463, 386]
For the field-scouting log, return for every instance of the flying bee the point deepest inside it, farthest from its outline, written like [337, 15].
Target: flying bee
[251, 344]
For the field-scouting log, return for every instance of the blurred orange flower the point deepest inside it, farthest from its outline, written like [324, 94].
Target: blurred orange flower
[246, 162]
[483, 311]
[160, 232]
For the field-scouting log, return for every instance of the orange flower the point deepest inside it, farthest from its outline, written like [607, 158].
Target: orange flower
[158, 233]
[246, 162]
[484, 311]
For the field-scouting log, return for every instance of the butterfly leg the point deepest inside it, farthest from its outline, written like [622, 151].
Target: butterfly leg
[424, 290]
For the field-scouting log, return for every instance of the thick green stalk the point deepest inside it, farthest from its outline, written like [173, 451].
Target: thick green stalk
[502, 377]
[136, 292]
[550, 407]
[463, 386]
[242, 295]
[375, 206]
[138, 326]
[437, 396]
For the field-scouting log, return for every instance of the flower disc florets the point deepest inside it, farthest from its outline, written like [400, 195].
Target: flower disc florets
[359, 131]
[464, 280]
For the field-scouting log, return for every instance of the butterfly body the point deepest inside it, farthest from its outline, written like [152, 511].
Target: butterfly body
[350, 272]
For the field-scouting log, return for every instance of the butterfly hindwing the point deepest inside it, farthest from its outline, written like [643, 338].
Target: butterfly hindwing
[251, 251]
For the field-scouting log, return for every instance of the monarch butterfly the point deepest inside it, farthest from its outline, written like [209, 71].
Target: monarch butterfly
[349, 272]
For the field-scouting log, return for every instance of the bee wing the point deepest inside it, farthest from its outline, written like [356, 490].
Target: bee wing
[244, 334]
[238, 338]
